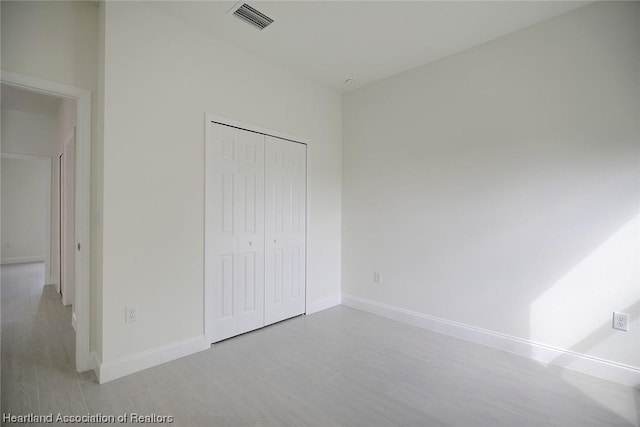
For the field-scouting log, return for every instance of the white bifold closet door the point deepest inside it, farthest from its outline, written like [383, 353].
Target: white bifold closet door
[255, 228]
[236, 264]
[285, 230]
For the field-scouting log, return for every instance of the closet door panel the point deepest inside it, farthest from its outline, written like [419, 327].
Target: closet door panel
[275, 231]
[221, 227]
[234, 227]
[250, 286]
[285, 229]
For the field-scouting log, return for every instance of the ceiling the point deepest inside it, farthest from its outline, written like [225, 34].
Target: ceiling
[13, 98]
[331, 41]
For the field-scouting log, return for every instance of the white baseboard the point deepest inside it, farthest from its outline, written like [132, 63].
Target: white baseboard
[109, 371]
[601, 368]
[315, 306]
[21, 260]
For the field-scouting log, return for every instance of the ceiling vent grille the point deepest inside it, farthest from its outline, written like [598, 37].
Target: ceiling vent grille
[252, 16]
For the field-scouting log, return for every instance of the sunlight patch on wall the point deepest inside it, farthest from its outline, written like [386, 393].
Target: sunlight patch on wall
[576, 312]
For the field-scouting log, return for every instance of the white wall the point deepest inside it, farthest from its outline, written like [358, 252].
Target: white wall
[500, 187]
[51, 40]
[25, 196]
[24, 132]
[160, 79]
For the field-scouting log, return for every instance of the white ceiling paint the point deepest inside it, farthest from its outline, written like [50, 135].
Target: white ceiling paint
[13, 98]
[330, 41]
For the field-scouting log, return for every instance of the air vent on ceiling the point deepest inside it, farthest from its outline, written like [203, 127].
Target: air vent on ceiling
[252, 16]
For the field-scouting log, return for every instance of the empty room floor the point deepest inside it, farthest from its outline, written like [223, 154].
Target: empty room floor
[339, 367]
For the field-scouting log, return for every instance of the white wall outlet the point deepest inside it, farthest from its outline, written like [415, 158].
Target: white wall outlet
[377, 277]
[621, 321]
[130, 314]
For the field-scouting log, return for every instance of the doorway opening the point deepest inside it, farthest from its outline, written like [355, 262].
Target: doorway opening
[64, 248]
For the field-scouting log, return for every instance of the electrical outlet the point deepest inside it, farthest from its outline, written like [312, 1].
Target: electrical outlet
[130, 314]
[377, 277]
[621, 321]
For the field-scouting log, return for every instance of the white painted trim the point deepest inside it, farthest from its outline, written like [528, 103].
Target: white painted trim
[47, 212]
[25, 157]
[22, 260]
[67, 289]
[109, 371]
[316, 306]
[74, 321]
[96, 362]
[47, 221]
[83, 199]
[56, 163]
[247, 126]
[601, 368]
[208, 233]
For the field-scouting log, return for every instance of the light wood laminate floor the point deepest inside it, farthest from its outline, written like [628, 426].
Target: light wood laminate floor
[339, 367]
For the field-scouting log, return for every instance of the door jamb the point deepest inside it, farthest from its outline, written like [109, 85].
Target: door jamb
[59, 281]
[65, 253]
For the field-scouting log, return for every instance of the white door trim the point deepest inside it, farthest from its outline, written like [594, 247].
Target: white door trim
[84, 361]
[47, 214]
[246, 126]
[68, 249]
[208, 288]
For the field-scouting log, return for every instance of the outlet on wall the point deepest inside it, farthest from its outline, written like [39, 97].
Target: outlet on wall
[130, 314]
[377, 277]
[621, 321]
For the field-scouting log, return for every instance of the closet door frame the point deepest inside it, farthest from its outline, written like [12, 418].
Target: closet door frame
[208, 229]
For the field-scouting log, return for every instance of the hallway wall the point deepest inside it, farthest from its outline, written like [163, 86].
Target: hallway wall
[25, 195]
